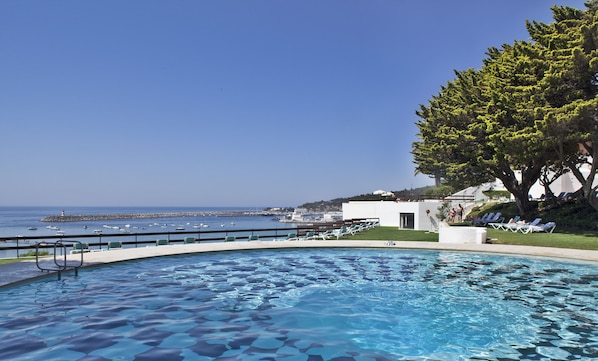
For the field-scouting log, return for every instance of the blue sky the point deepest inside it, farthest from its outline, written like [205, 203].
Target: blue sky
[228, 103]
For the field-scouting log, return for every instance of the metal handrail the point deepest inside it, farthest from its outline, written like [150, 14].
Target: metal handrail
[212, 235]
[59, 265]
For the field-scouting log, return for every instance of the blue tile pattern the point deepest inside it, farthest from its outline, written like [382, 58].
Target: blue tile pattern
[309, 305]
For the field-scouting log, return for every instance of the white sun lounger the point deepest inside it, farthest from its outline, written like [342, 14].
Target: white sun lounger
[523, 227]
[548, 228]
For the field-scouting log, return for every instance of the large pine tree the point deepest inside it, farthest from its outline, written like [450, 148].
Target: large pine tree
[531, 106]
[481, 125]
[570, 89]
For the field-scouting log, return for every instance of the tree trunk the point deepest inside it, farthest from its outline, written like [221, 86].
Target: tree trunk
[587, 184]
[437, 181]
[520, 190]
[522, 201]
[593, 200]
[548, 192]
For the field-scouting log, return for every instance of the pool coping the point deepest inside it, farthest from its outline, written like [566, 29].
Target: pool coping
[24, 271]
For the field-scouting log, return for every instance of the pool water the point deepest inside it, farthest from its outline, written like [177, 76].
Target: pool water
[309, 305]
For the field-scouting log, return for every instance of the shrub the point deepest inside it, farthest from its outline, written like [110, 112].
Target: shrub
[492, 194]
[32, 254]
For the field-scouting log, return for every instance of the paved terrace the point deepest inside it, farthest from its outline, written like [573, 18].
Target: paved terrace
[14, 273]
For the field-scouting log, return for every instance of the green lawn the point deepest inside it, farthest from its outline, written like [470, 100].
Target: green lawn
[561, 240]
[555, 239]
[11, 260]
[394, 234]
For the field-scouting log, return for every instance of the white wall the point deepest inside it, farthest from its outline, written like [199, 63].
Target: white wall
[565, 183]
[389, 212]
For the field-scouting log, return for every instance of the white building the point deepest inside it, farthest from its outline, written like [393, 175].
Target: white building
[567, 183]
[404, 215]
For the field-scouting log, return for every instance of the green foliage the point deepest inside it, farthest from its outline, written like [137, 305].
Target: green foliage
[443, 211]
[575, 215]
[570, 113]
[412, 194]
[497, 194]
[336, 204]
[529, 107]
[439, 192]
[32, 254]
[508, 210]
[23, 255]
[571, 215]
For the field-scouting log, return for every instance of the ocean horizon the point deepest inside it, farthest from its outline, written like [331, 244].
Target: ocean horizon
[27, 220]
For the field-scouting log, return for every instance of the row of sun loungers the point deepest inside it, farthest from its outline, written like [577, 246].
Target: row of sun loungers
[84, 247]
[293, 236]
[344, 230]
[330, 234]
[489, 218]
[517, 226]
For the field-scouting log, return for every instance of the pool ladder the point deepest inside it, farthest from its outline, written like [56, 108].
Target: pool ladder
[60, 264]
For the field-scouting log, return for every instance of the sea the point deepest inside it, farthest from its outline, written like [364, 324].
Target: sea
[27, 221]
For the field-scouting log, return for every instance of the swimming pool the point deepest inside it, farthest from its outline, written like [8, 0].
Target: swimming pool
[309, 304]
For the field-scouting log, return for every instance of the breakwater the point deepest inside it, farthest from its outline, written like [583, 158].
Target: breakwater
[101, 217]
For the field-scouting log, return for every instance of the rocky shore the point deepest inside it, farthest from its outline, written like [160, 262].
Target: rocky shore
[101, 217]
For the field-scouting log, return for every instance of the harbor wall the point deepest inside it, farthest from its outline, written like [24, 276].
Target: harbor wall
[100, 217]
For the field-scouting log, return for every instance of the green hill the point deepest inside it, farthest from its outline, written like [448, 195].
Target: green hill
[336, 204]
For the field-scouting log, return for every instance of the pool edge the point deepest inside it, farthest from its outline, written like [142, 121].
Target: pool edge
[15, 273]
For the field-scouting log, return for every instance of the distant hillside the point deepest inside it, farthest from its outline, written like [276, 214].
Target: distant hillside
[336, 204]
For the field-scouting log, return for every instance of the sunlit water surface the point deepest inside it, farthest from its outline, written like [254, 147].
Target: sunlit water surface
[320, 304]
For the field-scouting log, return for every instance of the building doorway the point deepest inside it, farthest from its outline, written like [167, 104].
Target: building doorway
[407, 220]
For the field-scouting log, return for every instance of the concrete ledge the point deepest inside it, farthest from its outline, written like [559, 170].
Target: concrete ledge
[458, 234]
[14, 273]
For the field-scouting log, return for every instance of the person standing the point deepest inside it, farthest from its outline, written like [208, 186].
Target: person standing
[459, 213]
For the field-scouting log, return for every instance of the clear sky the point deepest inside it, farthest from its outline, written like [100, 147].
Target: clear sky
[228, 103]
